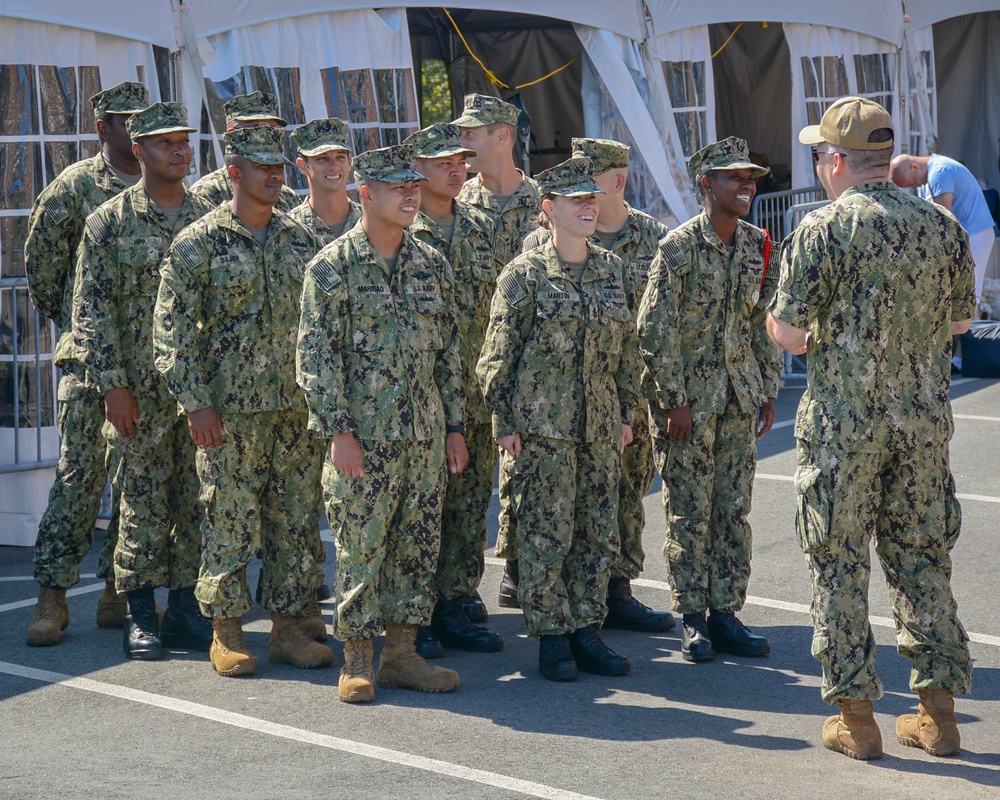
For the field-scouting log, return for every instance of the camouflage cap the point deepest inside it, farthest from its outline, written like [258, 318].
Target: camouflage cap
[572, 178]
[605, 153]
[482, 109]
[124, 98]
[322, 135]
[158, 118]
[849, 123]
[438, 141]
[262, 145]
[731, 153]
[387, 165]
[252, 107]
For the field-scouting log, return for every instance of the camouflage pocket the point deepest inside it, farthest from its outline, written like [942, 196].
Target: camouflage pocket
[230, 270]
[429, 313]
[813, 505]
[373, 322]
[612, 323]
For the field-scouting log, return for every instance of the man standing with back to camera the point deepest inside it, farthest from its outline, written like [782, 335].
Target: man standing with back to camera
[872, 288]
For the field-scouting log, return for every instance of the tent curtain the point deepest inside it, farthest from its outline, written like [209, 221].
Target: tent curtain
[355, 65]
[622, 103]
[920, 91]
[828, 63]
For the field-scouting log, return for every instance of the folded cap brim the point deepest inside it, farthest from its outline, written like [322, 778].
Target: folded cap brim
[757, 170]
[810, 135]
[322, 148]
[469, 121]
[258, 118]
[135, 110]
[399, 176]
[266, 158]
[579, 189]
[449, 151]
[173, 129]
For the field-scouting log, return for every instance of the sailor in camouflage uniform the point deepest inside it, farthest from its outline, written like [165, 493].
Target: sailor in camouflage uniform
[245, 111]
[633, 237]
[510, 198]
[55, 228]
[224, 334]
[559, 372]
[126, 239]
[463, 235]
[324, 158]
[711, 375]
[379, 363]
[872, 288]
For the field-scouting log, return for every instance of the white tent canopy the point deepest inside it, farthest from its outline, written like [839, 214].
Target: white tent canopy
[151, 22]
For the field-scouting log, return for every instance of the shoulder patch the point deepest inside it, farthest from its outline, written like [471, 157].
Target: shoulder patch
[511, 289]
[99, 227]
[187, 251]
[326, 279]
[674, 254]
[54, 209]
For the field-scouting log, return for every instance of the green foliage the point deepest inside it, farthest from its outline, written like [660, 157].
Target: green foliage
[436, 93]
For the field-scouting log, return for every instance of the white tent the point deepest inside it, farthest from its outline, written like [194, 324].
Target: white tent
[667, 76]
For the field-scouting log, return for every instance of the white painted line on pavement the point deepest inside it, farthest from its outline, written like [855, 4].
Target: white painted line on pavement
[94, 587]
[974, 416]
[245, 722]
[764, 476]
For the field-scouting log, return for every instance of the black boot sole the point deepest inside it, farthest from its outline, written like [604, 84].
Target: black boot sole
[493, 645]
[607, 671]
[694, 658]
[180, 641]
[144, 655]
[734, 651]
[508, 600]
[565, 672]
[620, 622]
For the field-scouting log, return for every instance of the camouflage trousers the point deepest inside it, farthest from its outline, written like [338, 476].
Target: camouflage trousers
[159, 535]
[564, 500]
[388, 531]
[637, 472]
[905, 501]
[463, 522]
[707, 484]
[66, 531]
[260, 491]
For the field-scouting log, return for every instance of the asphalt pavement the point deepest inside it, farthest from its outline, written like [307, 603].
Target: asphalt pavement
[79, 721]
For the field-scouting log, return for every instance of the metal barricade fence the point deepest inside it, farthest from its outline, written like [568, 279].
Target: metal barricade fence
[768, 210]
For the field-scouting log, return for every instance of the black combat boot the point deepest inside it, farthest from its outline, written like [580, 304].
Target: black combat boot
[475, 609]
[593, 655]
[695, 644]
[555, 659]
[184, 626]
[141, 637]
[508, 586]
[627, 613]
[729, 635]
[427, 644]
[454, 629]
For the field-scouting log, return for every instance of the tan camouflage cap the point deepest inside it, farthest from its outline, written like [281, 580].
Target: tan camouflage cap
[387, 165]
[482, 109]
[572, 178]
[125, 98]
[438, 141]
[252, 107]
[158, 118]
[321, 136]
[262, 145]
[731, 153]
[848, 123]
[605, 153]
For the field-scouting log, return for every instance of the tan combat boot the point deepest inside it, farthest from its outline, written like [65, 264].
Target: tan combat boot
[357, 678]
[290, 645]
[229, 653]
[934, 726]
[313, 623]
[401, 668]
[854, 731]
[111, 607]
[51, 617]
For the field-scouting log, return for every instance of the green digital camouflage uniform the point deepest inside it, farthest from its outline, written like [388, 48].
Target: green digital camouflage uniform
[304, 214]
[217, 188]
[703, 340]
[876, 278]
[224, 334]
[635, 246]
[125, 241]
[55, 228]
[378, 355]
[560, 367]
[512, 224]
[468, 495]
